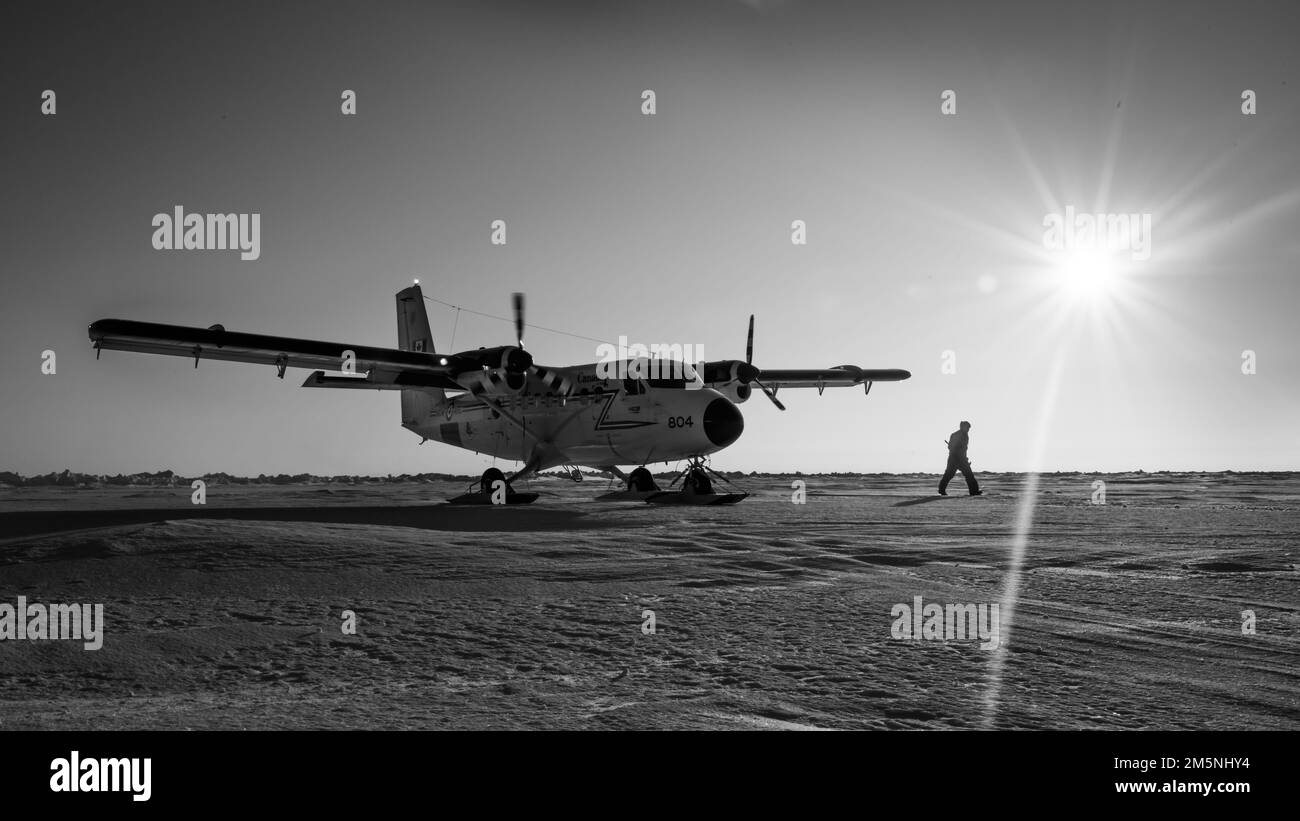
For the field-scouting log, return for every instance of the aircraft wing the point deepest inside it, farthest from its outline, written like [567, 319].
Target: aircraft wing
[382, 367]
[839, 376]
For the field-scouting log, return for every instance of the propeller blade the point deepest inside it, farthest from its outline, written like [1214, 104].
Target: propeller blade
[770, 394]
[554, 381]
[749, 343]
[518, 300]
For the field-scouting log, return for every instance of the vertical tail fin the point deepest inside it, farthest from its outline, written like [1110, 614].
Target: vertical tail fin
[412, 321]
[413, 334]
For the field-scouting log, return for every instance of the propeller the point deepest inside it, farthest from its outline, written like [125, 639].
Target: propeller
[522, 361]
[749, 373]
[510, 365]
[518, 361]
[749, 342]
[518, 301]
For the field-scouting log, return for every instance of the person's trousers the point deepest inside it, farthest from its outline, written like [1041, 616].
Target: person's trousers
[956, 463]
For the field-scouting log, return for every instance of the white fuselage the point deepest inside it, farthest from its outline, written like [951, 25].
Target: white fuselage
[601, 422]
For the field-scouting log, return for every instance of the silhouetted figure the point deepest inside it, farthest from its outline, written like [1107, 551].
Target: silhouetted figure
[957, 461]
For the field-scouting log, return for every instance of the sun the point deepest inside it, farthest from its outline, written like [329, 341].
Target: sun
[1088, 273]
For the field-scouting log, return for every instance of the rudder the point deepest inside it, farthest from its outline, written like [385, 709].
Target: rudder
[413, 334]
[412, 321]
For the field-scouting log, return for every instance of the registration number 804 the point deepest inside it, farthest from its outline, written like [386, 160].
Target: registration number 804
[680, 422]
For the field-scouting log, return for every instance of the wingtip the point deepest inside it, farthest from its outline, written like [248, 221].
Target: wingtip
[96, 329]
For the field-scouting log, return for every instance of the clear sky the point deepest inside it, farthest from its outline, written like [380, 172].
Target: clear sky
[925, 230]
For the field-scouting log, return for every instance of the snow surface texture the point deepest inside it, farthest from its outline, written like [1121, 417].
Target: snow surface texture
[768, 614]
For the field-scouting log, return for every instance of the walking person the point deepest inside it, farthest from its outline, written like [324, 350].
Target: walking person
[957, 460]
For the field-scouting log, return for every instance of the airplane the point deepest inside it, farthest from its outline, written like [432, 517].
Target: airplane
[497, 401]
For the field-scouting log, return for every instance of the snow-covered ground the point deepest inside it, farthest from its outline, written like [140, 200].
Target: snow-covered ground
[768, 614]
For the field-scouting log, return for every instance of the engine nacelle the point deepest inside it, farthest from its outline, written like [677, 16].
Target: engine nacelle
[492, 382]
[737, 392]
[507, 358]
[730, 377]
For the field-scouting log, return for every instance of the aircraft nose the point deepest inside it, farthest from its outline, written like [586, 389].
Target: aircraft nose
[723, 423]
